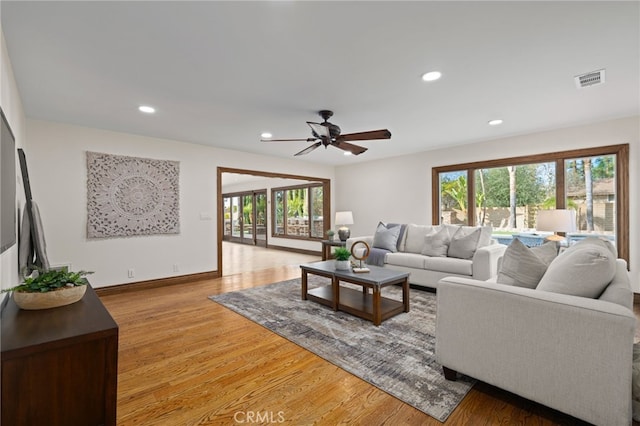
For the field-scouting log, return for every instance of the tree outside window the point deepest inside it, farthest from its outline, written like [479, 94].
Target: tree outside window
[508, 193]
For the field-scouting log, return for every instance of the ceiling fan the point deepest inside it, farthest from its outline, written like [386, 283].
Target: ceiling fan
[326, 134]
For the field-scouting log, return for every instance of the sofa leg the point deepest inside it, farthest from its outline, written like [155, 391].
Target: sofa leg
[449, 374]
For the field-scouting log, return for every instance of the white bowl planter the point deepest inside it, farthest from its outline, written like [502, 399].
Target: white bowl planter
[343, 265]
[49, 299]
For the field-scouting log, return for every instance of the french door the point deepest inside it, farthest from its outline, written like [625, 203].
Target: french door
[245, 217]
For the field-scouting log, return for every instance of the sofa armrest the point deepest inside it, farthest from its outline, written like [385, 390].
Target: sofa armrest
[485, 261]
[367, 239]
[570, 353]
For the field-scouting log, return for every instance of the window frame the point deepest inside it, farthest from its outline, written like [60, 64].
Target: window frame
[308, 187]
[621, 152]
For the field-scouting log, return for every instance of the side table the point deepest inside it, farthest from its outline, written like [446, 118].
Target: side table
[326, 247]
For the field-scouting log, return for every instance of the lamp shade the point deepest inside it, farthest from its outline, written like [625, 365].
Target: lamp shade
[558, 220]
[344, 218]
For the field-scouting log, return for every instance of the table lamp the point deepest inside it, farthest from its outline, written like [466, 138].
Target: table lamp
[558, 220]
[343, 219]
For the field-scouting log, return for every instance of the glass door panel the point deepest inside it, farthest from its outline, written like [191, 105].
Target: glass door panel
[227, 217]
[236, 217]
[247, 219]
[260, 227]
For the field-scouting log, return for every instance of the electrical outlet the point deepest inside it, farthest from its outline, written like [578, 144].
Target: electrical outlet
[176, 268]
[131, 273]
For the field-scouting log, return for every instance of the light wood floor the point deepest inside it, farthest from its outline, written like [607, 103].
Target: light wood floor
[185, 360]
[238, 258]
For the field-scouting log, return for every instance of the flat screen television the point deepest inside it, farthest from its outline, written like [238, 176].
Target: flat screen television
[7, 185]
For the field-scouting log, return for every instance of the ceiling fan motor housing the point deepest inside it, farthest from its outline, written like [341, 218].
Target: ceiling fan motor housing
[334, 131]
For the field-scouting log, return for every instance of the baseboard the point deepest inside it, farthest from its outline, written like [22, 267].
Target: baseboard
[160, 282]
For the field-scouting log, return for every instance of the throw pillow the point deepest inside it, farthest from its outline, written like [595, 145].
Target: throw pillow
[415, 237]
[436, 243]
[464, 242]
[523, 266]
[584, 269]
[386, 237]
[485, 236]
[402, 235]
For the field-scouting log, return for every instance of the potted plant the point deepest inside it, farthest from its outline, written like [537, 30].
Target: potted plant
[330, 234]
[342, 258]
[50, 289]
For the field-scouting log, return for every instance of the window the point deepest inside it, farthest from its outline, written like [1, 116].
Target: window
[507, 193]
[298, 211]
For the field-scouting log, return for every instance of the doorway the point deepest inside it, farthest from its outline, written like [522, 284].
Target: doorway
[259, 233]
[245, 217]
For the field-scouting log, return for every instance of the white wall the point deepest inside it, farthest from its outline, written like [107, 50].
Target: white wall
[57, 168]
[12, 107]
[399, 189]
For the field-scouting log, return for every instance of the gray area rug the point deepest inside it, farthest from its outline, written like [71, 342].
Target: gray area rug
[397, 357]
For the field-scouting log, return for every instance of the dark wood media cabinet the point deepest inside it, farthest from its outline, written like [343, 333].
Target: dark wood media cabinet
[60, 365]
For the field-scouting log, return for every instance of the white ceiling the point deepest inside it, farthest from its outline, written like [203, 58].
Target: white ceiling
[220, 73]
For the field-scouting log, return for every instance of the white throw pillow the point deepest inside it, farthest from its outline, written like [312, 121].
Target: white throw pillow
[415, 237]
[436, 243]
[464, 242]
[386, 237]
[485, 236]
[584, 269]
[523, 266]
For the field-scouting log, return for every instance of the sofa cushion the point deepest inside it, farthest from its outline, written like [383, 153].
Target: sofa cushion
[449, 265]
[584, 269]
[522, 266]
[415, 237]
[618, 291]
[464, 242]
[386, 237]
[437, 243]
[408, 260]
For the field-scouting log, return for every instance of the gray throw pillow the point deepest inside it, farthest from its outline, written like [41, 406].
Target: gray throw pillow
[386, 237]
[436, 243]
[523, 266]
[584, 269]
[464, 242]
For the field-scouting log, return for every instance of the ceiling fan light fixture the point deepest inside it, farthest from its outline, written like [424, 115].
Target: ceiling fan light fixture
[495, 122]
[431, 76]
[347, 153]
[266, 135]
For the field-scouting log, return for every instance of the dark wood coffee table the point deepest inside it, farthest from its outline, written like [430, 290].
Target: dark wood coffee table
[372, 307]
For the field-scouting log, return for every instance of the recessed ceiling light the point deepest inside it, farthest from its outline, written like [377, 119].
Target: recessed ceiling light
[266, 135]
[431, 76]
[496, 122]
[146, 109]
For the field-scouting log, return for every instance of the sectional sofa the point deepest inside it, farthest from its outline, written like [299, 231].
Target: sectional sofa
[557, 330]
[432, 252]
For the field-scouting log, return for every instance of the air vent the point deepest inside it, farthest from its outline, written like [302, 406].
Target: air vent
[589, 79]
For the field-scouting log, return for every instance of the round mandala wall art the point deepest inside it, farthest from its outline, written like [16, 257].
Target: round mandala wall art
[129, 196]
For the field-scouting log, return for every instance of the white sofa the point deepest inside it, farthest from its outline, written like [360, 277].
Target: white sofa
[428, 270]
[568, 352]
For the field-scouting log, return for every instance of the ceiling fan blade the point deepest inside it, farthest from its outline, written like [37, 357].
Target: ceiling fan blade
[308, 149]
[354, 149]
[322, 131]
[288, 140]
[364, 136]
